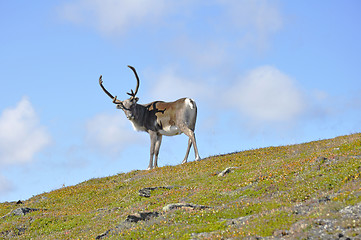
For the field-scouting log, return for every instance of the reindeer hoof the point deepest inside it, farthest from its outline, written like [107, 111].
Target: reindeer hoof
[198, 159]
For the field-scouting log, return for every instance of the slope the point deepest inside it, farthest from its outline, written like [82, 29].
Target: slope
[298, 191]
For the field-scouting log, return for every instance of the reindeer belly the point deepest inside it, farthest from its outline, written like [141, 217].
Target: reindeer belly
[170, 131]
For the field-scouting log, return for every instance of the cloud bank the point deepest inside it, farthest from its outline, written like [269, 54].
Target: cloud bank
[21, 135]
[171, 85]
[251, 22]
[109, 133]
[263, 95]
[266, 94]
[112, 16]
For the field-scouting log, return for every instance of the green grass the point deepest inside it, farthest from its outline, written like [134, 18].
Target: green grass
[264, 188]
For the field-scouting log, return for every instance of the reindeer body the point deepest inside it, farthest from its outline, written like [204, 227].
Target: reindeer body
[160, 118]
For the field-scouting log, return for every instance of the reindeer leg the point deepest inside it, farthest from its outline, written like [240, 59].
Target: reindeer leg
[187, 131]
[188, 149]
[153, 139]
[156, 149]
[193, 138]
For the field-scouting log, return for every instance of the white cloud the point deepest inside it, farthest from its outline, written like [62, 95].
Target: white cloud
[263, 95]
[266, 94]
[110, 133]
[241, 21]
[21, 135]
[170, 86]
[112, 16]
[187, 30]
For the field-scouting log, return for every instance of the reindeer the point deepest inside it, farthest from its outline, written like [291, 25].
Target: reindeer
[159, 118]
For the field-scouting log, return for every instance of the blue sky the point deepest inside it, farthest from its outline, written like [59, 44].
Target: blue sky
[263, 73]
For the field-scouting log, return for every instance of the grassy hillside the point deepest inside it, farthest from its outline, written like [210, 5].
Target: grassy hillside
[298, 191]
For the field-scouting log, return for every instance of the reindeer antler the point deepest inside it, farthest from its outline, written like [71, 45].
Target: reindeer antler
[132, 94]
[115, 100]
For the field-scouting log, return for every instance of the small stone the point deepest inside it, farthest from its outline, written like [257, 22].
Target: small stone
[141, 217]
[183, 205]
[103, 235]
[145, 192]
[324, 199]
[226, 171]
[281, 233]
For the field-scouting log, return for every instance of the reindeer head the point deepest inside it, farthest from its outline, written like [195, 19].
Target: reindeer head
[128, 105]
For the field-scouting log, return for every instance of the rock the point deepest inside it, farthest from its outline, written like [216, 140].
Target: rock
[203, 235]
[145, 192]
[14, 232]
[299, 226]
[322, 229]
[103, 235]
[226, 171]
[302, 209]
[352, 211]
[307, 207]
[141, 216]
[23, 211]
[324, 199]
[348, 227]
[239, 221]
[281, 233]
[183, 205]
[20, 212]
[21, 230]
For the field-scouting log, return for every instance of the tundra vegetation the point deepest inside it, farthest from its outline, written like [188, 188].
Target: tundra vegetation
[310, 190]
